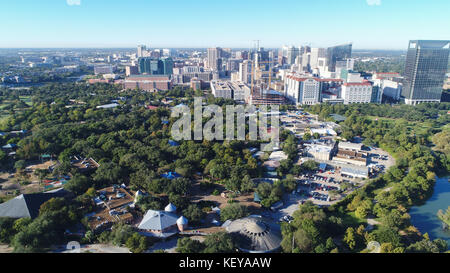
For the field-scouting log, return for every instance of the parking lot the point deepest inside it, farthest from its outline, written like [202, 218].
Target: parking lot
[325, 188]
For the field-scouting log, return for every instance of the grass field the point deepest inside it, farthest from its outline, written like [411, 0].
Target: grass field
[4, 115]
[351, 220]
[26, 99]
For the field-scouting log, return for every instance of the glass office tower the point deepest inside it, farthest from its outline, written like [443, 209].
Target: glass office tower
[152, 66]
[338, 53]
[426, 66]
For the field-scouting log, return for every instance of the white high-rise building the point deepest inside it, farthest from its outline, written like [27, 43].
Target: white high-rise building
[317, 53]
[141, 51]
[245, 71]
[302, 90]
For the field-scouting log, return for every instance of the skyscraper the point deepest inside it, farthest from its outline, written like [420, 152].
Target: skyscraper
[214, 55]
[245, 70]
[140, 50]
[292, 53]
[338, 53]
[168, 65]
[316, 53]
[426, 66]
[152, 66]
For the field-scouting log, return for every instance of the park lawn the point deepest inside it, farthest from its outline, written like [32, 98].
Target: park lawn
[27, 100]
[390, 185]
[349, 219]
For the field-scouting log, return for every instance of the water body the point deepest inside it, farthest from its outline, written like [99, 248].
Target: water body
[425, 217]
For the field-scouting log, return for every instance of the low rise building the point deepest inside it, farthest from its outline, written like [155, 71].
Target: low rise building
[230, 90]
[355, 171]
[388, 88]
[149, 83]
[357, 92]
[320, 152]
[162, 224]
[221, 89]
[350, 146]
[352, 157]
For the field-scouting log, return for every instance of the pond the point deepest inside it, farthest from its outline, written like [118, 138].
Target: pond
[425, 217]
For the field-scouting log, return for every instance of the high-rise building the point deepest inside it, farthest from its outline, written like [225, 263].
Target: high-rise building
[167, 65]
[214, 61]
[245, 71]
[140, 50]
[292, 53]
[426, 66]
[153, 66]
[338, 53]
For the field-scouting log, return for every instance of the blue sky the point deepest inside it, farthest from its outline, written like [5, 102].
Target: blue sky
[369, 24]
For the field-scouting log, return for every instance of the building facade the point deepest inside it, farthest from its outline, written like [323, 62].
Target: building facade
[214, 58]
[426, 66]
[338, 53]
[357, 92]
[148, 82]
[302, 90]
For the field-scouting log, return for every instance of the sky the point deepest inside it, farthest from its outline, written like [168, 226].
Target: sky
[368, 24]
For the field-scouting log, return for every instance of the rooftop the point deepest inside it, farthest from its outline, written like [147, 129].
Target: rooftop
[256, 234]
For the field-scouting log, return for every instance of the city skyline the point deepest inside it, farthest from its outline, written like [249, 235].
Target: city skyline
[368, 24]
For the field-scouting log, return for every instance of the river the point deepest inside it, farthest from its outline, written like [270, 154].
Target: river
[425, 217]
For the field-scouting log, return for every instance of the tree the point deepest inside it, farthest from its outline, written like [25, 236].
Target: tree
[388, 235]
[21, 224]
[193, 213]
[233, 211]
[108, 173]
[350, 238]
[310, 165]
[7, 229]
[445, 217]
[20, 165]
[264, 189]
[78, 184]
[53, 204]
[220, 242]
[187, 245]
[290, 184]
[428, 246]
[137, 243]
[307, 136]
[247, 184]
